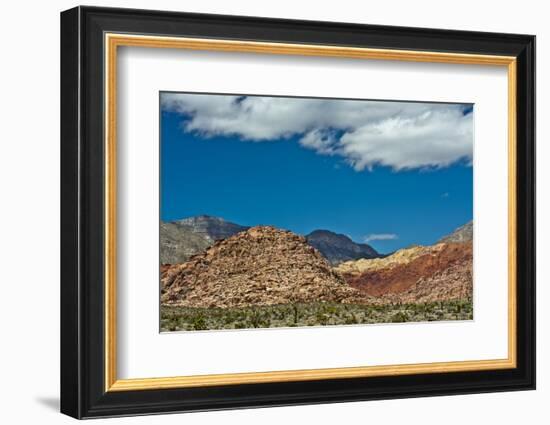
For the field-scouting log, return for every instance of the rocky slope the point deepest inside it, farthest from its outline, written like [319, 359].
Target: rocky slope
[418, 274]
[337, 248]
[398, 277]
[211, 228]
[402, 256]
[464, 233]
[260, 266]
[452, 283]
[179, 243]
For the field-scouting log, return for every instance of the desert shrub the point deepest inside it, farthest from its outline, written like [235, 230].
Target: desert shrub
[400, 317]
[351, 320]
[258, 320]
[295, 313]
[199, 323]
[322, 318]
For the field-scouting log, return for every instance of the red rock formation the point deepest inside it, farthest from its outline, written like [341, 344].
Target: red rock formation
[439, 271]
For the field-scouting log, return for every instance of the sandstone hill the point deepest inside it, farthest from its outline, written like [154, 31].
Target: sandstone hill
[421, 274]
[402, 256]
[418, 274]
[399, 277]
[259, 266]
[452, 283]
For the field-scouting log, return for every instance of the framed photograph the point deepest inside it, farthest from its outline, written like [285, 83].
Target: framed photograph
[261, 212]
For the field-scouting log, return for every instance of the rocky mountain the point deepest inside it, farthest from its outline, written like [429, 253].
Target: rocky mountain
[178, 243]
[211, 228]
[396, 275]
[181, 239]
[454, 282]
[260, 266]
[417, 274]
[464, 233]
[337, 248]
[401, 256]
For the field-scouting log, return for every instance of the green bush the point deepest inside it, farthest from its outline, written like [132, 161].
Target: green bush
[199, 323]
[400, 317]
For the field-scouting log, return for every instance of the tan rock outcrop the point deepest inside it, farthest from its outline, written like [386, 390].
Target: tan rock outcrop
[260, 266]
[402, 256]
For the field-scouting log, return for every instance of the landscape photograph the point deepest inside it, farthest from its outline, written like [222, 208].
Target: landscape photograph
[281, 212]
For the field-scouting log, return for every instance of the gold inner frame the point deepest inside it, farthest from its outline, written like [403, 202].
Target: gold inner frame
[113, 41]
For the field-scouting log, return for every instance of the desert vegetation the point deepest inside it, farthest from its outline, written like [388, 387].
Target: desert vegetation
[310, 314]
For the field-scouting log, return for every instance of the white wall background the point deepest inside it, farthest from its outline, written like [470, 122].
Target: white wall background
[29, 213]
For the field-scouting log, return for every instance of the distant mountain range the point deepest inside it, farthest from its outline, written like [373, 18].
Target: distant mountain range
[263, 265]
[179, 242]
[181, 239]
[338, 248]
[211, 228]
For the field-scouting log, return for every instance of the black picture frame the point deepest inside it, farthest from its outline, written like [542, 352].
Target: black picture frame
[83, 392]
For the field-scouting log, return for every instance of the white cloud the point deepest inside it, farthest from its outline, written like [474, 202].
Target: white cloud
[380, 237]
[401, 135]
[321, 140]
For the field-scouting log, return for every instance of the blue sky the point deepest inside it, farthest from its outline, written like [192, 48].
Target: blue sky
[386, 173]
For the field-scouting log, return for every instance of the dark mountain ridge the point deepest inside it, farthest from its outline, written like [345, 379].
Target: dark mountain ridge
[337, 248]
